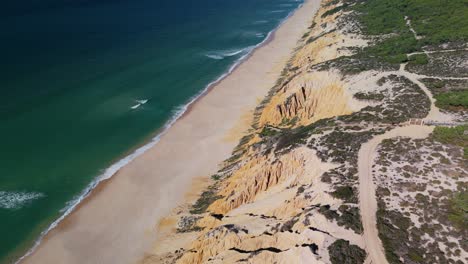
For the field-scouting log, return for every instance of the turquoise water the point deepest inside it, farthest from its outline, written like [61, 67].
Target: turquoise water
[72, 75]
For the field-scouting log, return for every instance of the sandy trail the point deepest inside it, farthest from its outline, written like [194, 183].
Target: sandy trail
[408, 23]
[118, 222]
[367, 196]
[434, 112]
[434, 51]
[367, 154]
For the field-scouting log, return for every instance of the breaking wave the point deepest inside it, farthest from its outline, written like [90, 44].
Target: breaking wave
[16, 200]
[177, 113]
[219, 55]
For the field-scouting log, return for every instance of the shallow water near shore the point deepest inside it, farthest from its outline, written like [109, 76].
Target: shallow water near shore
[85, 82]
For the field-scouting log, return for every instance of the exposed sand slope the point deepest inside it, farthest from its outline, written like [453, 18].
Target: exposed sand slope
[278, 201]
[307, 98]
[264, 204]
[117, 223]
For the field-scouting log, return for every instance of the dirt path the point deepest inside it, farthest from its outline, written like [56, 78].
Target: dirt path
[434, 51]
[367, 154]
[367, 195]
[408, 23]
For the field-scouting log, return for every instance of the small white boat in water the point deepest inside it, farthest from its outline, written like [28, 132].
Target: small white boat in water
[140, 103]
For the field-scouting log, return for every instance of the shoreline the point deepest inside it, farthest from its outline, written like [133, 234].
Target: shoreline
[178, 114]
[115, 171]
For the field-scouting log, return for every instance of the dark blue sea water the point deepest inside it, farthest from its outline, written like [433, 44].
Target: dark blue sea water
[85, 82]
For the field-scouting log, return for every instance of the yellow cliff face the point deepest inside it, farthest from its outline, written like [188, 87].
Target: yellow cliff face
[323, 42]
[311, 96]
[262, 186]
[307, 98]
[259, 175]
[318, 51]
[279, 248]
[262, 216]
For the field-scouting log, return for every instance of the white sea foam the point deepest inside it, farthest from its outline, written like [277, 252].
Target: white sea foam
[250, 34]
[16, 200]
[219, 55]
[260, 22]
[144, 101]
[214, 56]
[177, 113]
[278, 11]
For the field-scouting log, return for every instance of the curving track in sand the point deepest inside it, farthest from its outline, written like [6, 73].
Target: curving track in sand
[367, 196]
[367, 154]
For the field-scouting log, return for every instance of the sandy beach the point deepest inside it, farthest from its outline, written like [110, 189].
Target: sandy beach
[118, 222]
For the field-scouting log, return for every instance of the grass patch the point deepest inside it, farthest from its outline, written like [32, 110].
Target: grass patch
[419, 59]
[453, 135]
[452, 99]
[268, 132]
[438, 21]
[334, 10]
[386, 17]
[434, 20]
[435, 84]
[394, 49]
[289, 122]
[382, 16]
[290, 138]
[458, 213]
[205, 200]
[333, 2]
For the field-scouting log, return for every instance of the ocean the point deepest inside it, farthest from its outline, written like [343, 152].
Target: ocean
[87, 85]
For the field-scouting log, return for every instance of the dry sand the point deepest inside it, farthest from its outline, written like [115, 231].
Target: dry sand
[118, 223]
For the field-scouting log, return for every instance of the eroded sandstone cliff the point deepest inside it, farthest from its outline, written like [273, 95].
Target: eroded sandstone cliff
[289, 193]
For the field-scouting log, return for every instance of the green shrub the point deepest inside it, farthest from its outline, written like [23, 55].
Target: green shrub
[414, 256]
[394, 49]
[437, 21]
[216, 177]
[342, 252]
[418, 59]
[453, 135]
[458, 213]
[268, 132]
[205, 200]
[382, 16]
[345, 193]
[369, 96]
[452, 99]
[334, 10]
